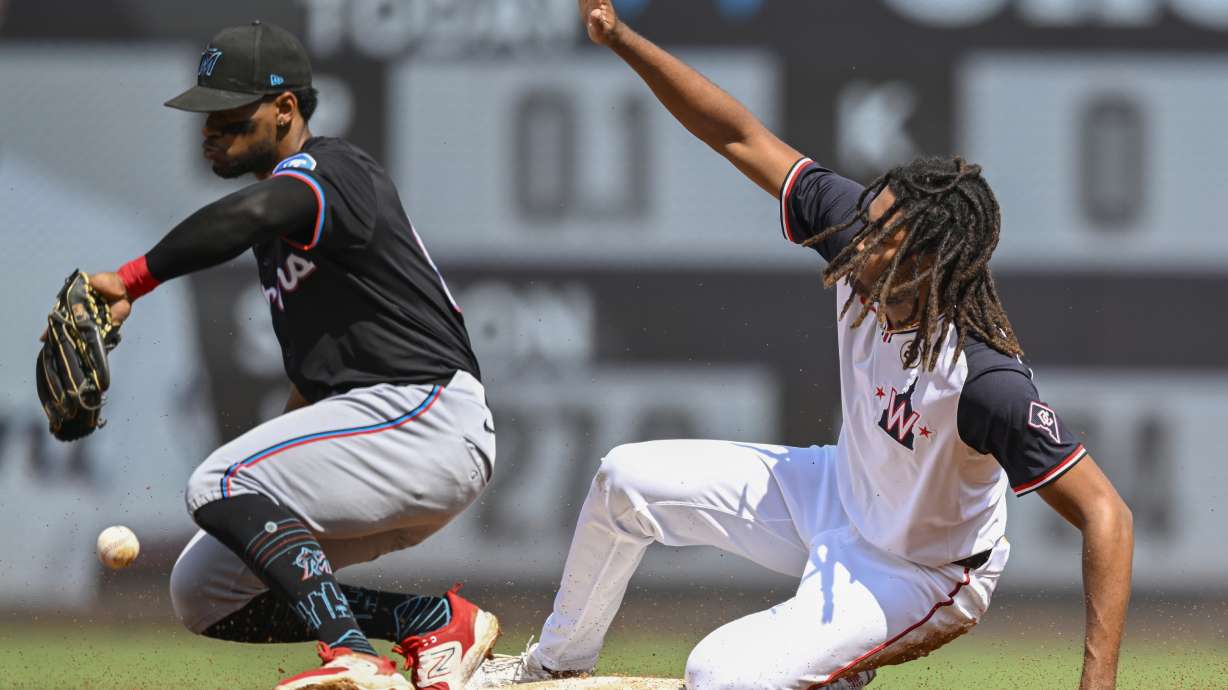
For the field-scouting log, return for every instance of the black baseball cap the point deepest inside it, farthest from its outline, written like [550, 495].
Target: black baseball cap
[243, 64]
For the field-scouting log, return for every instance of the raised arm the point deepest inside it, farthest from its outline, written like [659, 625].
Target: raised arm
[702, 107]
[1088, 501]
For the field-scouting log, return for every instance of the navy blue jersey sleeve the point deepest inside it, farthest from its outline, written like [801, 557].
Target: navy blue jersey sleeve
[813, 199]
[1001, 414]
[345, 198]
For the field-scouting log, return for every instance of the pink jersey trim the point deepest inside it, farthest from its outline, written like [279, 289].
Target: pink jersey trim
[319, 192]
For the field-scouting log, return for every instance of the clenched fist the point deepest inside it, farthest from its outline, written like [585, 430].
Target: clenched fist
[600, 19]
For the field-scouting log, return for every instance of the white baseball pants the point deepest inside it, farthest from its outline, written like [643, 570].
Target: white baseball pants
[856, 606]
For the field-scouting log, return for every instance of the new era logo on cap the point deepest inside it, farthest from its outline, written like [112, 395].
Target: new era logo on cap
[276, 80]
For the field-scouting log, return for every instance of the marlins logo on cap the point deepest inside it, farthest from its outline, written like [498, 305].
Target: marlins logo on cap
[208, 61]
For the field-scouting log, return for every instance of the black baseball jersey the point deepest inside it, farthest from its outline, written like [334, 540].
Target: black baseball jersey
[923, 452]
[356, 299]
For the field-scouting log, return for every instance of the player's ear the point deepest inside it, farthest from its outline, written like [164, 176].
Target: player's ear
[286, 106]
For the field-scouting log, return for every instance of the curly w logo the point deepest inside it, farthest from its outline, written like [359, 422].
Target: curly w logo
[899, 418]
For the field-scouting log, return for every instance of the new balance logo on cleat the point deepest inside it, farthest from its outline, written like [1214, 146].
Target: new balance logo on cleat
[447, 658]
[438, 663]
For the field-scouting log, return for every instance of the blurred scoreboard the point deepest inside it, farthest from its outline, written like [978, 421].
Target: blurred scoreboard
[1105, 161]
[557, 162]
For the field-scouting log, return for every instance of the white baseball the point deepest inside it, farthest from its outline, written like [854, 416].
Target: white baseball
[117, 547]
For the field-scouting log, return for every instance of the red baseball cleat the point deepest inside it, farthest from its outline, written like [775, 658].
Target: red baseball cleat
[345, 669]
[446, 658]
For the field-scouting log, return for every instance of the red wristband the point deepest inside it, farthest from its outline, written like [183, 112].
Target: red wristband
[137, 278]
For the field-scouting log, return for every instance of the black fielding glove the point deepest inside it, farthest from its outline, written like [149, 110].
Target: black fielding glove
[72, 372]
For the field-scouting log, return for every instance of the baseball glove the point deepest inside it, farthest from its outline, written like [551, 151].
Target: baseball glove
[72, 371]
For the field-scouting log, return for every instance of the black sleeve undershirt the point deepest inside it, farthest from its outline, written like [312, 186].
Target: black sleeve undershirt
[217, 233]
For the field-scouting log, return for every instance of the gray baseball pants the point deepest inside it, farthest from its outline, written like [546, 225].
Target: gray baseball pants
[370, 471]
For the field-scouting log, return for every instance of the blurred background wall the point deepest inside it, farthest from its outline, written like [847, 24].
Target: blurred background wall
[622, 282]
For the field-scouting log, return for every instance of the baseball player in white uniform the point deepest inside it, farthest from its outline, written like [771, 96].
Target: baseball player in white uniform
[895, 532]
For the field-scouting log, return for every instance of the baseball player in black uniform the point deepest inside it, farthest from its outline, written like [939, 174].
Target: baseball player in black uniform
[386, 436]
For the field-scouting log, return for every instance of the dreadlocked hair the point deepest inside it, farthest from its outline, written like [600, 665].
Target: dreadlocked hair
[953, 223]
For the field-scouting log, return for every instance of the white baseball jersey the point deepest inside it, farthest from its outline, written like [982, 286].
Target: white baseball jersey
[922, 454]
[876, 528]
